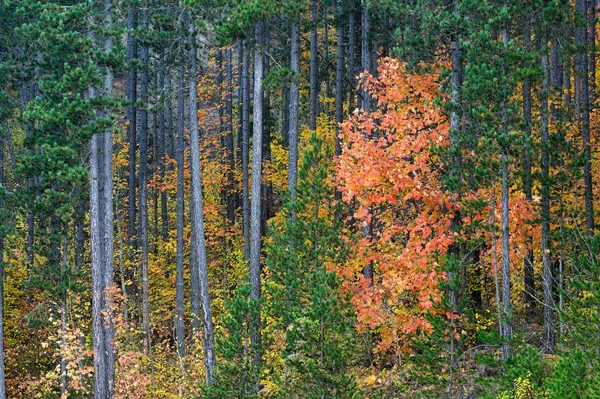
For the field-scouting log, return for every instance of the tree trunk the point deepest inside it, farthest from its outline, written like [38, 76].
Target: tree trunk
[229, 150]
[97, 249]
[314, 69]
[198, 216]
[294, 106]
[528, 270]
[179, 288]
[108, 216]
[549, 334]
[351, 57]
[506, 305]
[143, 189]
[339, 82]
[255, 203]
[132, 118]
[162, 145]
[365, 54]
[581, 65]
[245, 149]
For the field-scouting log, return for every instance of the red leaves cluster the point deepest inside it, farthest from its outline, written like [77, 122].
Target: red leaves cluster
[389, 172]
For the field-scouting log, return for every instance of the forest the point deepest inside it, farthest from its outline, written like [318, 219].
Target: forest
[244, 199]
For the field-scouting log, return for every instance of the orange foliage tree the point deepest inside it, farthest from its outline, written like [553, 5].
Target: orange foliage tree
[390, 175]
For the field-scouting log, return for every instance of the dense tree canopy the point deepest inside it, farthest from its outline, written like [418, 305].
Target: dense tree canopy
[299, 199]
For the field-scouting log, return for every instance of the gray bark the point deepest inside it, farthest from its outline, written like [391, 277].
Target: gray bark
[581, 65]
[339, 81]
[107, 220]
[549, 339]
[198, 216]
[245, 149]
[294, 105]
[314, 68]
[179, 288]
[143, 189]
[506, 305]
[528, 270]
[255, 203]
[365, 54]
[351, 57]
[132, 118]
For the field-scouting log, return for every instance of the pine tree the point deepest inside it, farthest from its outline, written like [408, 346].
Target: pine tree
[306, 300]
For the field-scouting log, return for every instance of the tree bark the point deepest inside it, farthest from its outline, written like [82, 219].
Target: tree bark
[528, 270]
[294, 106]
[179, 288]
[581, 65]
[132, 118]
[245, 149]
[351, 57]
[198, 216]
[314, 69]
[108, 215]
[339, 81]
[143, 189]
[549, 333]
[255, 203]
[506, 305]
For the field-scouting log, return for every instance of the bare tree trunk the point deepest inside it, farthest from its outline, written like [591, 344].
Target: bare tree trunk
[255, 203]
[365, 54]
[351, 57]
[108, 216]
[132, 118]
[294, 106]
[179, 288]
[592, 55]
[97, 249]
[229, 150]
[245, 148]
[581, 65]
[339, 82]
[506, 305]
[549, 334]
[162, 145]
[314, 69]
[528, 270]
[143, 179]
[198, 216]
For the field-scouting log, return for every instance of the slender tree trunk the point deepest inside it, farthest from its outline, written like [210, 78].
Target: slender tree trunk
[339, 82]
[198, 216]
[294, 106]
[506, 305]
[245, 149]
[314, 69]
[132, 118]
[255, 203]
[581, 65]
[179, 288]
[528, 270]
[162, 145]
[143, 189]
[108, 216]
[351, 57]
[229, 150]
[549, 333]
[365, 54]
[63, 318]
[97, 249]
